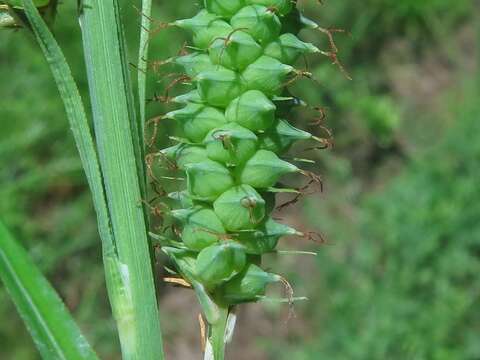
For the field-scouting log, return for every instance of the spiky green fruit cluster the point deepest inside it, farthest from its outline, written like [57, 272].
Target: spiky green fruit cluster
[234, 133]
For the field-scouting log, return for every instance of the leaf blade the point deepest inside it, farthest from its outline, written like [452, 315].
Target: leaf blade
[143, 58]
[86, 147]
[105, 57]
[77, 118]
[53, 330]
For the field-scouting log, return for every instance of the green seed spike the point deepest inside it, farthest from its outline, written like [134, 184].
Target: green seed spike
[264, 169]
[220, 86]
[225, 8]
[234, 132]
[207, 180]
[201, 229]
[267, 75]
[197, 120]
[253, 110]
[281, 7]
[217, 264]
[240, 208]
[230, 144]
[281, 137]
[259, 21]
[248, 285]
[194, 63]
[236, 51]
[288, 48]
[265, 238]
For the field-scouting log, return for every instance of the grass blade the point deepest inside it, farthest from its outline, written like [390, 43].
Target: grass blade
[136, 123]
[118, 295]
[106, 64]
[76, 116]
[145, 27]
[53, 330]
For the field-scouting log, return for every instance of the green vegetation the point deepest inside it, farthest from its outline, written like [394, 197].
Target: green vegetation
[407, 279]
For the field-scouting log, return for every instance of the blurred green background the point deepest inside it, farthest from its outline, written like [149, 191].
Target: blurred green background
[398, 276]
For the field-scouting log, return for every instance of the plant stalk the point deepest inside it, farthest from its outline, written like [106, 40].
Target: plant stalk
[215, 349]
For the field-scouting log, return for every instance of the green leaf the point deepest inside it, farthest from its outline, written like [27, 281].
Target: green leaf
[142, 88]
[84, 141]
[77, 118]
[116, 138]
[117, 272]
[136, 123]
[53, 329]
[143, 58]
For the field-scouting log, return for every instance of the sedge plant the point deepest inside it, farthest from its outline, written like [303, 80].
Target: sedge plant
[231, 152]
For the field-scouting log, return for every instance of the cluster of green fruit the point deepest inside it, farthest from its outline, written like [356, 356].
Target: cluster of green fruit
[234, 131]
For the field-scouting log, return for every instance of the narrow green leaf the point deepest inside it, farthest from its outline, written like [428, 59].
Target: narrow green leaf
[84, 141]
[53, 330]
[136, 126]
[145, 27]
[110, 92]
[77, 118]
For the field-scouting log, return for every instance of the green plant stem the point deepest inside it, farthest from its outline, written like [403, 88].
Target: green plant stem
[111, 103]
[217, 336]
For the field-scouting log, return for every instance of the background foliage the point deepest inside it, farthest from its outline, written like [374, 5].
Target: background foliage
[397, 278]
